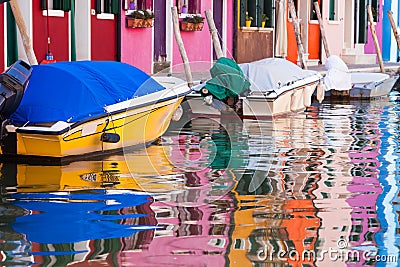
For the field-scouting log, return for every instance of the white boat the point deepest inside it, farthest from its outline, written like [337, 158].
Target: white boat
[277, 87]
[371, 84]
[339, 81]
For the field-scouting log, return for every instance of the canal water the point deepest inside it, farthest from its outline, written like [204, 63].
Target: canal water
[316, 188]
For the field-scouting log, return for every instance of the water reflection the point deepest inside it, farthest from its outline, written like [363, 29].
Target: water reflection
[218, 192]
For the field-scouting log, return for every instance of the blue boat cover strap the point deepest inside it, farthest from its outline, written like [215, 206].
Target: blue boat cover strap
[74, 91]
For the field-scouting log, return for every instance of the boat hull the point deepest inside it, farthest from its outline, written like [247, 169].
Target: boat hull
[294, 100]
[257, 105]
[137, 126]
[360, 90]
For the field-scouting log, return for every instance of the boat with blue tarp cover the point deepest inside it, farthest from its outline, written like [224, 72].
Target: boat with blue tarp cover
[69, 109]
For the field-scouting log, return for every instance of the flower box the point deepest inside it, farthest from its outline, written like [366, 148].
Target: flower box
[139, 23]
[191, 27]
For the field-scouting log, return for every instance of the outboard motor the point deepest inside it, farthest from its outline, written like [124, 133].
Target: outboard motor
[12, 87]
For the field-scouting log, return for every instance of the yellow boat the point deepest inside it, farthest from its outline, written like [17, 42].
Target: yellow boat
[73, 109]
[137, 171]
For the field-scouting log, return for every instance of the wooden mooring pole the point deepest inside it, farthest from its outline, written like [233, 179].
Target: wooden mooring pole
[394, 28]
[296, 26]
[322, 29]
[373, 31]
[26, 41]
[214, 34]
[178, 38]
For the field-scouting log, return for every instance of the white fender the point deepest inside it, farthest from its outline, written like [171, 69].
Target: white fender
[320, 92]
[307, 95]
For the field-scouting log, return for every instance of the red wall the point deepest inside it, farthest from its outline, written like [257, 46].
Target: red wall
[2, 38]
[104, 40]
[59, 35]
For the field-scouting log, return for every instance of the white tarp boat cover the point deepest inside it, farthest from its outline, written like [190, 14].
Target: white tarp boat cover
[337, 76]
[270, 74]
[368, 77]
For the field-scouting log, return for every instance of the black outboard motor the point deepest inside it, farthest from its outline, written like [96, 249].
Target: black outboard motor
[12, 87]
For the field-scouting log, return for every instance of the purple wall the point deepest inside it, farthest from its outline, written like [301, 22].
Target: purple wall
[370, 46]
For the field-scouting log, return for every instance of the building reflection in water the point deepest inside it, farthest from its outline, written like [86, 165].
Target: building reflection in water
[217, 192]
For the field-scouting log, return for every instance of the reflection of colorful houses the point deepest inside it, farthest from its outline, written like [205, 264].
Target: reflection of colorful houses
[280, 213]
[365, 186]
[388, 204]
[331, 191]
[194, 220]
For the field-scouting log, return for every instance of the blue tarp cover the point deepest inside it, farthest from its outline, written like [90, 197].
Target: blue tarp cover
[73, 91]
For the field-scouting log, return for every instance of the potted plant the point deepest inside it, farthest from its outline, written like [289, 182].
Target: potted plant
[148, 18]
[198, 22]
[192, 23]
[264, 19]
[135, 19]
[249, 19]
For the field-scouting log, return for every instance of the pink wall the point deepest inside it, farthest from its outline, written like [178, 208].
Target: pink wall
[369, 46]
[137, 46]
[229, 27]
[197, 44]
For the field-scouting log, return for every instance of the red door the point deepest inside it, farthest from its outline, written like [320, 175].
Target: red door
[59, 36]
[314, 35]
[103, 35]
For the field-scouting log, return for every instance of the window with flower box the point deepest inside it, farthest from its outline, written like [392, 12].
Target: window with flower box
[139, 13]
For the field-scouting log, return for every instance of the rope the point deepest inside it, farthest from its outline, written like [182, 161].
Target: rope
[49, 55]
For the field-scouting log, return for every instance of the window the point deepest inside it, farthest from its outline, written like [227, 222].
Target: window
[258, 9]
[296, 7]
[107, 6]
[333, 10]
[138, 4]
[64, 5]
[375, 9]
[313, 13]
[188, 6]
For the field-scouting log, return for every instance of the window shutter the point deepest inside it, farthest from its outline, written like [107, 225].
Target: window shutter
[115, 7]
[107, 6]
[269, 10]
[243, 9]
[259, 12]
[57, 4]
[97, 6]
[252, 9]
[331, 9]
[67, 5]
[43, 4]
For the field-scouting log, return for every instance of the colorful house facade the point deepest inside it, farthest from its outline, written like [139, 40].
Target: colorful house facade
[151, 48]
[390, 51]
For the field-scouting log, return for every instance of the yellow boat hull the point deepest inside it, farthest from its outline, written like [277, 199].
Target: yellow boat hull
[134, 127]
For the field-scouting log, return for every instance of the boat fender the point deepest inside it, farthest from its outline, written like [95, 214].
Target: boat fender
[177, 114]
[292, 102]
[110, 138]
[320, 92]
[307, 95]
[208, 100]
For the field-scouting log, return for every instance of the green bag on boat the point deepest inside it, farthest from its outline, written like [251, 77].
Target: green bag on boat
[228, 79]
